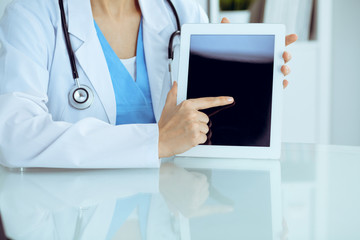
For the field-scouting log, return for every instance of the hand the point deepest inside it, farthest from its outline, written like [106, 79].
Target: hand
[289, 39]
[184, 191]
[183, 126]
[286, 56]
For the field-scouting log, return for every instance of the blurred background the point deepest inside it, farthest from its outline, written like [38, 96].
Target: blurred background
[322, 102]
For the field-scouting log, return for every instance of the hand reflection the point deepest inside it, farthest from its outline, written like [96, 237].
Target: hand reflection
[186, 192]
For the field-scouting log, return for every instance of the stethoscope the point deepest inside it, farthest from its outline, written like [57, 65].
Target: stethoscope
[80, 95]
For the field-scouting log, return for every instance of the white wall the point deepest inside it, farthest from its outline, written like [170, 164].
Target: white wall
[345, 110]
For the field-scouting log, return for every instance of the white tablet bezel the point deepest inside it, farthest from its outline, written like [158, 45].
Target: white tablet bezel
[278, 30]
[271, 166]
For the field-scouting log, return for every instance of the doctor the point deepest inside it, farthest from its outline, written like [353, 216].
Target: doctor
[120, 57]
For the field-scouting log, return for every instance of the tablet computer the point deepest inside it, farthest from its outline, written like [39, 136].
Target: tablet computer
[243, 61]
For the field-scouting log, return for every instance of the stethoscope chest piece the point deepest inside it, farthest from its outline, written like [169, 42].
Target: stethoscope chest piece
[81, 97]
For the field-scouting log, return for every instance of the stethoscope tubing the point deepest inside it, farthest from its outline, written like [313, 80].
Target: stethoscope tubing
[176, 33]
[68, 42]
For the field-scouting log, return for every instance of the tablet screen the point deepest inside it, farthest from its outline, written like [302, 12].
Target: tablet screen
[240, 66]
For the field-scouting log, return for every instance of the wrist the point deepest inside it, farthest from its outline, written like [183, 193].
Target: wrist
[163, 151]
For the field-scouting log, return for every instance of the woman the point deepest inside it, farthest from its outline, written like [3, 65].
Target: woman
[115, 41]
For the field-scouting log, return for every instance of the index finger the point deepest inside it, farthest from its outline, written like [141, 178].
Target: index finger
[290, 39]
[210, 102]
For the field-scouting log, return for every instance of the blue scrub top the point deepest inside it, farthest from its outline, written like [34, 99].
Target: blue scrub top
[133, 98]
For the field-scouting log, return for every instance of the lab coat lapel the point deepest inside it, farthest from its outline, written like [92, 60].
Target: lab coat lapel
[156, 61]
[157, 30]
[89, 54]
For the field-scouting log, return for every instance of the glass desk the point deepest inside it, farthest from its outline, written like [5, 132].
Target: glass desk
[311, 193]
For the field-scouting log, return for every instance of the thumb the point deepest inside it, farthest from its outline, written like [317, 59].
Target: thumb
[171, 100]
[225, 20]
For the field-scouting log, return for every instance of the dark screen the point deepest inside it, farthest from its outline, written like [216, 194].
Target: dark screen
[240, 66]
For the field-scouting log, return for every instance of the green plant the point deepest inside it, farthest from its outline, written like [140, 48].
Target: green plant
[231, 5]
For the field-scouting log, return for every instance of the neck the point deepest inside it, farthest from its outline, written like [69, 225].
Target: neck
[115, 9]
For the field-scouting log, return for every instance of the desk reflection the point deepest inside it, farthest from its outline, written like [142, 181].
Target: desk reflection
[188, 199]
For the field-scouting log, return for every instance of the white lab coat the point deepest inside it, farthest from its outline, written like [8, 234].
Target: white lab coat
[38, 127]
